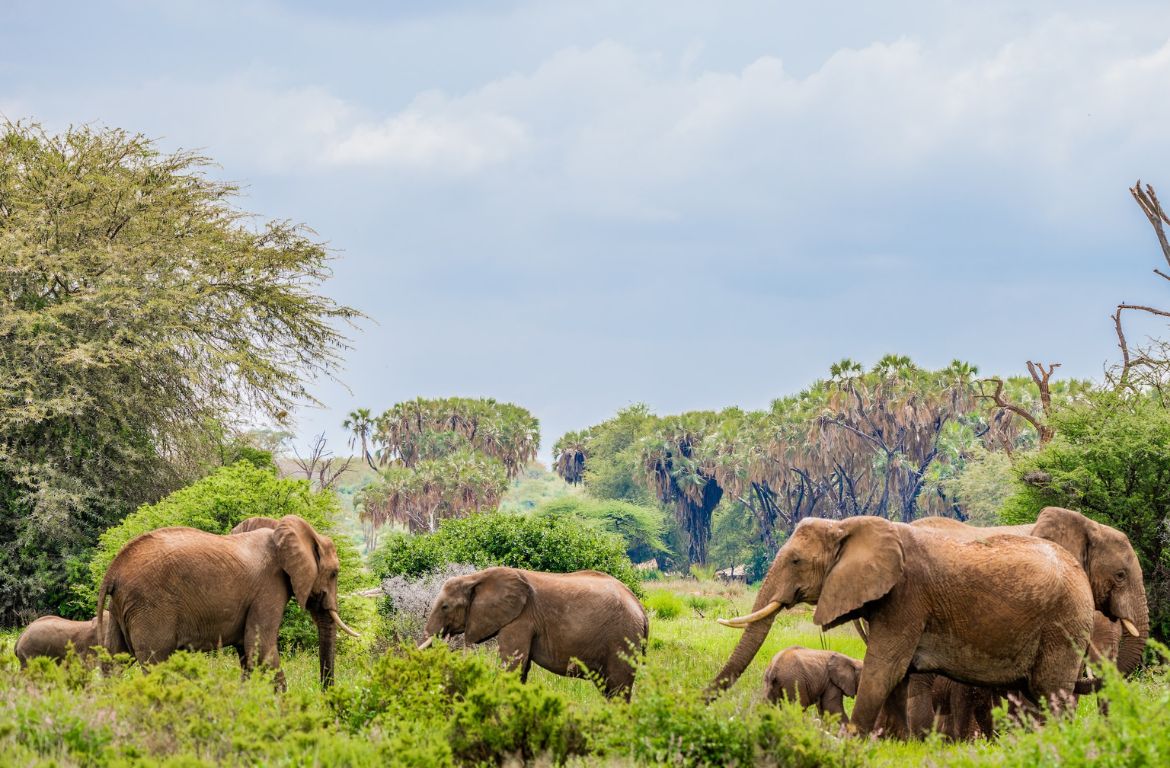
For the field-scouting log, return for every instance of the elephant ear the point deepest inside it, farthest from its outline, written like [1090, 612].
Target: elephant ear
[298, 553]
[844, 673]
[1066, 528]
[255, 524]
[497, 598]
[868, 564]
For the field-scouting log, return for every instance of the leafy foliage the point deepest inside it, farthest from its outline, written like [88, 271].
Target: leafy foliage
[541, 543]
[1110, 460]
[444, 458]
[139, 309]
[640, 527]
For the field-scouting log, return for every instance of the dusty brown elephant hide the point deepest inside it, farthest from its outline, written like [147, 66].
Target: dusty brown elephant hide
[559, 621]
[182, 588]
[1011, 611]
[51, 636]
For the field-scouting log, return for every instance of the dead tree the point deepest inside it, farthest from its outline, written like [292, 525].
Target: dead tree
[1147, 200]
[321, 467]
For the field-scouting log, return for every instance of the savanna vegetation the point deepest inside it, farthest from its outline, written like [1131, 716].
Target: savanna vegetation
[147, 323]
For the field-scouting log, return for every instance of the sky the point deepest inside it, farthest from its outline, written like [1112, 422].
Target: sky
[579, 206]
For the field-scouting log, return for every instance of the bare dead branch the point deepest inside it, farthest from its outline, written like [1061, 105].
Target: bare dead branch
[1042, 429]
[1147, 200]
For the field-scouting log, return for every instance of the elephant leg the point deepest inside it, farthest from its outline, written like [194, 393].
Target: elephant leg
[515, 646]
[261, 628]
[619, 676]
[982, 705]
[833, 702]
[919, 708]
[887, 661]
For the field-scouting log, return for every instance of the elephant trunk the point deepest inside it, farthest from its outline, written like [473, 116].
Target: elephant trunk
[1131, 649]
[749, 644]
[746, 650]
[326, 644]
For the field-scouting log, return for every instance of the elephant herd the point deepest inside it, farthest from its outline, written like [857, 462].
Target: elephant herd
[955, 617]
[950, 613]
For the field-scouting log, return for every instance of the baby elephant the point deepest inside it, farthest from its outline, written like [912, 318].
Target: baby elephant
[51, 635]
[814, 678]
[561, 621]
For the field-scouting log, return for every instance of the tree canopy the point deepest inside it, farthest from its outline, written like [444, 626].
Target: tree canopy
[444, 458]
[887, 441]
[141, 314]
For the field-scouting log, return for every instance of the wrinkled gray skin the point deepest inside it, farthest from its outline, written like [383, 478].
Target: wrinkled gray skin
[185, 589]
[1012, 611]
[51, 636]
[558, 621]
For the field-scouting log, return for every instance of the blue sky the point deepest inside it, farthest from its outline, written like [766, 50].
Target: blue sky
[577, 206]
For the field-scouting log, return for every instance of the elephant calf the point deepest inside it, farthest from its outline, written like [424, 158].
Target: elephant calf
[561, 621]
[51, 635]
[814, 678]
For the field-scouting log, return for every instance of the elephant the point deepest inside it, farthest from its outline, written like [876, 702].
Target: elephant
[182, 588]
[1107, 557]
[812, 678]
[561, 621]
[1011, 611]
[52, 635]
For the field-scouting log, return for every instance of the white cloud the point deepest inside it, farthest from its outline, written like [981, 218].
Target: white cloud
[433, 134]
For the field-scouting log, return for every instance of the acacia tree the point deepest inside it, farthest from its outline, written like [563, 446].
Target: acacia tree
[140, 313]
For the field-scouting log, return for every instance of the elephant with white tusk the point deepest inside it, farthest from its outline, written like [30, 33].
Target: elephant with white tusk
[560, 621]
[186, 589]
[1008, 611]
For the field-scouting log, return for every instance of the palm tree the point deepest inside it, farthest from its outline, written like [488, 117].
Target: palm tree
[361, 425]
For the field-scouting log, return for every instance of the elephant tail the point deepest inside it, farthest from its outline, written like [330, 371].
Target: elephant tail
[106, 589]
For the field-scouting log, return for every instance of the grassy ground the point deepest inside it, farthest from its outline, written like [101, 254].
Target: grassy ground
[442, 707]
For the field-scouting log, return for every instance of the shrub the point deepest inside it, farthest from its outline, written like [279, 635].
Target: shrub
[640, 527]
[408, 600]
[664, 604]
[557, 545]
[482, 713]
[216, 504]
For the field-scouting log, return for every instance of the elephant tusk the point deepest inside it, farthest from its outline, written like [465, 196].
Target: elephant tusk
[739, 622]
[1130, 628]
[426, 643]
[342, 625]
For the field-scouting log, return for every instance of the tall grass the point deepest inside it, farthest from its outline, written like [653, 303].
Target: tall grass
[445, 707]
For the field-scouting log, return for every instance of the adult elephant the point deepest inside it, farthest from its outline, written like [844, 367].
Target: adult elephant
[1017, 613]
[560, 621]
[1104, 553]
[182, 588]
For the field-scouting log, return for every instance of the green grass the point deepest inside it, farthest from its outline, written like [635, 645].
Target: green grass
[442, 707]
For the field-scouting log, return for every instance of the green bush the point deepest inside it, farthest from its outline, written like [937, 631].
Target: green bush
[216, 504]
[664, 604]
[640, 527]
[1109, 461]
[557, 545]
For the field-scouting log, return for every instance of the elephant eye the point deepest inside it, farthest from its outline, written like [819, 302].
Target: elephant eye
[446, 606]
[1120, 575]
